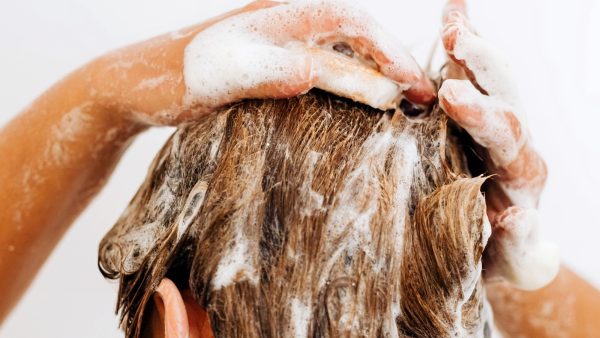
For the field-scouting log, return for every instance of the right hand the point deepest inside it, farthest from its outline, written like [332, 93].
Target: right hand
[480, 97]
[184, 75]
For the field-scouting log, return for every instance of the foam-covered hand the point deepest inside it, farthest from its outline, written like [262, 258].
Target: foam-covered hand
[267, 49]
[480, 96]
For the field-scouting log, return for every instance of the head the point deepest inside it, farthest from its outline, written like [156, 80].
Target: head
[311, 216]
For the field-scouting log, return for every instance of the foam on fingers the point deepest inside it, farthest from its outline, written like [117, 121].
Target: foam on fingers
[216, 72]
[489, 120]
[461, 101]
[267, 53]
[518, 253]
[490, 69]
[344, 77]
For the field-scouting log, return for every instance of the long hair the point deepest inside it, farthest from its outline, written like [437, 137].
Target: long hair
[312, 216]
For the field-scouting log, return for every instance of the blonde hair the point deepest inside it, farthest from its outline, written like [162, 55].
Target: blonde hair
[311, 216]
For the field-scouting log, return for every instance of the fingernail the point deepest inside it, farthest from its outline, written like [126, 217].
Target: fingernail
[422, 92]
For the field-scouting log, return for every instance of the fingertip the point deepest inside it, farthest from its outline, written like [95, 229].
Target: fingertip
[459, 99]
[506, 219]
[306, 76]
[406, 72]
[422, 92]
[446, 103]
[454, 28]
[447, 93]
[450, 35]
[457, 3]
[455, 6]
[300, 81]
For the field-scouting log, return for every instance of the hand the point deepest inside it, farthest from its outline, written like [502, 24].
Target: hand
[267, 49]
[481, 98]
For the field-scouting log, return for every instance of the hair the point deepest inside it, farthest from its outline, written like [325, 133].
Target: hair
[310, 216]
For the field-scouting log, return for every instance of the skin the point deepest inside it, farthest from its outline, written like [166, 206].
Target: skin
[84, 123]
[177, 314]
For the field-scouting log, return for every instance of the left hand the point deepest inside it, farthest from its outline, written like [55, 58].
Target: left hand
[480, 97]
[267, 49]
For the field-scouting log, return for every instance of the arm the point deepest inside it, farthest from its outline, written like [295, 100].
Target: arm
[567, 307]
[59, 151]
[56, 155]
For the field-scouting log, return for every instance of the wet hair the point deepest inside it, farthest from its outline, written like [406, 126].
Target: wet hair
[312, 216]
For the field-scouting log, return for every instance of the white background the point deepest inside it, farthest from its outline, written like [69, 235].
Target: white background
[555, 51]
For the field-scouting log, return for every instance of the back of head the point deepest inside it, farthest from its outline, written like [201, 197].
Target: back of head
[312, 216]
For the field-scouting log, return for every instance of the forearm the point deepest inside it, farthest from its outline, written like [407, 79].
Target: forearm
[57, 153]
[55, 156]
[568, 307]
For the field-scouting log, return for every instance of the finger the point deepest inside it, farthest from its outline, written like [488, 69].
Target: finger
[292, 73]
[523, 179]
[482, 62]
[348, 78]
[455, 5]
[218, 73]
[521, 170]
[328, 71]
[488, 120]
[422, 92]
[326, 22]
[452, 9]
[516, 252]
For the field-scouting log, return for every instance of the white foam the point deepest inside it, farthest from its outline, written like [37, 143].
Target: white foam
[352, 215]
[523, 197]
[301, 315]
[191, 207]
[405, 166]
[488, 318]
[235, 265]
[312, 201]
[494, 131]
[494, 74]
[486, 230]
[138, 243]
[496, 134]
[531, 262]
[350, 211]
[348, 78]
[468, 286]
[491, 68]
[390, 327]
[70, 125]
[217, 71]
[250, 50]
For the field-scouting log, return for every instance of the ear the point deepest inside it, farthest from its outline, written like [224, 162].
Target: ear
[179, 314]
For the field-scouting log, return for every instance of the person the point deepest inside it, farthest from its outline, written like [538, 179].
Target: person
[85, 122]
